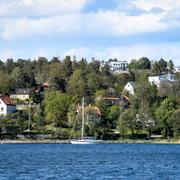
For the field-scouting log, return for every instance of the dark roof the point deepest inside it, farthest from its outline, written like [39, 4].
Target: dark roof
[23, 91]
[41, 87]
[7, 100]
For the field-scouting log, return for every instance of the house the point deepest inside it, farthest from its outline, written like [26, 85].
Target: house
[116, 66]
[21, 94]
[130, 87]
[109, 100]
[39, 89]
[93, 114]
[161, 79]
[122, 100]
[7, 105]
[177, 69]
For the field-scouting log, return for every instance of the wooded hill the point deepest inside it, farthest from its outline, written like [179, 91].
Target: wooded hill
[149, 111]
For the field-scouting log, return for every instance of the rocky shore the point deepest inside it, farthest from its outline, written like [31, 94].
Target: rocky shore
[128, 141]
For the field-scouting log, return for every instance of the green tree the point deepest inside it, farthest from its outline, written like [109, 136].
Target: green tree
[164, 114]
[171, 66]
[5, 83]
[113, 114]
[159, 67]
[175, 121]
[127, 121]
[56, 108]
[57, 77]
[77, 85]
[22, 79]
[142, 63]
[67, 67]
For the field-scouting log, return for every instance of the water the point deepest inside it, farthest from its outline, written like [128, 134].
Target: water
[105, 161]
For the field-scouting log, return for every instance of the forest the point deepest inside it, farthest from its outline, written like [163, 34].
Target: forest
[57, 109]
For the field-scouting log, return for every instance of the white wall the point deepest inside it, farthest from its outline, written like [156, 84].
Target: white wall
[157, 80]
[154, 80]
[4, 109]
[129, 88]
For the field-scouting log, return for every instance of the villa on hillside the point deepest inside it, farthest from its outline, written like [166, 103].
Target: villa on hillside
[177, 69]
[161, 79]
[116, 66]
[7, 105]
[130, 87]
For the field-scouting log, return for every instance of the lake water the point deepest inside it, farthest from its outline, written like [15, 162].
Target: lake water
[103, 161]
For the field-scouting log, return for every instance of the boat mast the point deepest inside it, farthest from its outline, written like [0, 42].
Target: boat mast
[82, 129]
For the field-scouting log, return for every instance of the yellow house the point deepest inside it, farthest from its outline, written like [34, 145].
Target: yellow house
[21, 94]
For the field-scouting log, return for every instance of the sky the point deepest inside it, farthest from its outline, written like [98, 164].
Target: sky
[103, 29]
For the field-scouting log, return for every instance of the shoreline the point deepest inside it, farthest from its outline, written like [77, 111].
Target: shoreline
[49, 141]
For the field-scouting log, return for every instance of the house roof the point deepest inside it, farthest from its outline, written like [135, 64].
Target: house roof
[41, 87]
[93, 108]
[23, 91]
[111, 98]
[7, 100]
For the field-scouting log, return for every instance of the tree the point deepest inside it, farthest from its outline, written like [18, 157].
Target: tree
[41, 70]
[145, 118]
[1, 65]
[142, 63]
[55, 60]
[57, 77]
[113, 114]
[106, 77]
[5, 83]
[160, 67]
[93, 83]
[56, 108]
[175, 121]
[22, 79]
[76, 85]
[9, 65]
[67, 67]
[146, 93]
[171, 66]
[127, 121]
[164, 114]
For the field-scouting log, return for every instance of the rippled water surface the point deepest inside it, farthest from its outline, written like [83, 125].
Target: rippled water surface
[105, 161]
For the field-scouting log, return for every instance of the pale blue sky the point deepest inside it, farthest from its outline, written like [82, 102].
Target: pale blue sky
[123, 29]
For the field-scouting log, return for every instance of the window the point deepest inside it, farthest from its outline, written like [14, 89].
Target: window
[2, 109]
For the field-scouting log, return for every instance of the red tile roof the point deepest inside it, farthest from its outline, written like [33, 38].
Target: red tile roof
[7, 100]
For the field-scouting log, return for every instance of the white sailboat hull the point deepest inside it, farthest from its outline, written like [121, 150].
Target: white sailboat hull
[83, 142]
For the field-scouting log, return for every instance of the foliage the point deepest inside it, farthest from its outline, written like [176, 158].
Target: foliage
[150, 110]
[164, 114]
[142, 63]
[56, 107]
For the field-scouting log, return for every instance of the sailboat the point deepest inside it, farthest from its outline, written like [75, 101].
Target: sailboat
[83, 140]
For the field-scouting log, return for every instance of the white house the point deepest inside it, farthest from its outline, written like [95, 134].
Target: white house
[7, 106]
[177, 69]
[116, 66]
[130, 87]
[158, 80]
